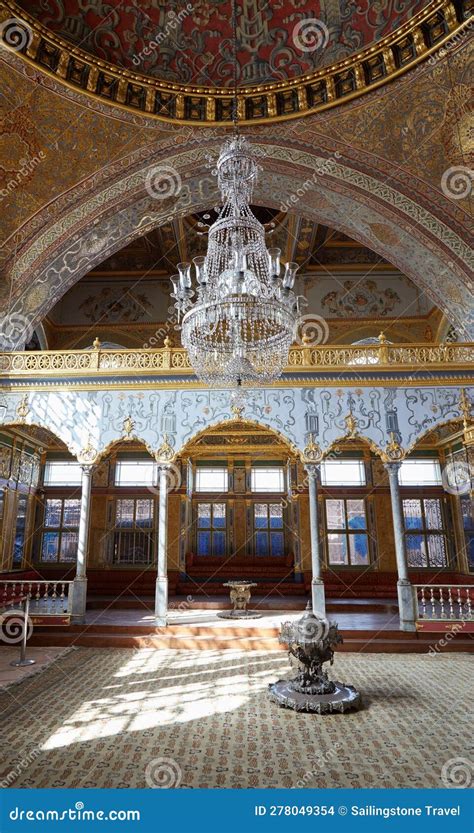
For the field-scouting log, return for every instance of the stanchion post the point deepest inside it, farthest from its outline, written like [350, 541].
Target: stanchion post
[22, 662]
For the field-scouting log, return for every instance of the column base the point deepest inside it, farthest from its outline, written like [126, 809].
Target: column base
[77, 605]
[406, 605]
[161, 602]
[318, 596]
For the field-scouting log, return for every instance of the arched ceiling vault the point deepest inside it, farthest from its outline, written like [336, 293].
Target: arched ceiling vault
[367, 208]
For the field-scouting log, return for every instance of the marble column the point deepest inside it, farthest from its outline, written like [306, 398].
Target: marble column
[406, 602]
[79, 590]
[161, 591]
[317, 584]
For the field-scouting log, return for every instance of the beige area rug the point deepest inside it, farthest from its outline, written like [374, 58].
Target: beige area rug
[138, 718]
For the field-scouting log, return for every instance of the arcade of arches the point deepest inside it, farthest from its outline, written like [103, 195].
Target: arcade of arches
[131, 493]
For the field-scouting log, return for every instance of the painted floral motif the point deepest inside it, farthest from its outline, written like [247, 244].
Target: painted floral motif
[192, 42]
[360, 299]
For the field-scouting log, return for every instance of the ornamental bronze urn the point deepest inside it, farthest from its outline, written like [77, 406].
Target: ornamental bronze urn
[311, 642]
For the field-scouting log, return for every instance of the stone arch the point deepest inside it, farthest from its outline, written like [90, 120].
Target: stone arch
[238, 421]
[17, 424]
[332, 448]
[356, 199]
[103, 453]
[441, 424]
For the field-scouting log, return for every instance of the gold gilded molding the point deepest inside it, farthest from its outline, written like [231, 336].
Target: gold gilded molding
[343, 81]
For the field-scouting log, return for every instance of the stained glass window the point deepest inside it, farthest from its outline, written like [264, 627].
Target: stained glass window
[211, 535]
[269, 538]
[347, 538]
[134, 531]
[60, 529]
[428, 547]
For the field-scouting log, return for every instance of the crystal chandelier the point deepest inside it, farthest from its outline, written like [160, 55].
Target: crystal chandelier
[241, 318]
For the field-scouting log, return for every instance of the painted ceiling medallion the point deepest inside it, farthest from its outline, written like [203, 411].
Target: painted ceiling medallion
[191, 43]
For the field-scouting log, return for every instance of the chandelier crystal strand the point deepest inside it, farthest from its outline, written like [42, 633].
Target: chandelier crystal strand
[242, 317]
[240, 321]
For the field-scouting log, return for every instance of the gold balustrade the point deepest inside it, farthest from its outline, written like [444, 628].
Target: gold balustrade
[364, 360]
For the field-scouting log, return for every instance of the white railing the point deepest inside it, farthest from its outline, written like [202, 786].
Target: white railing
[47, 598]
[441, 602]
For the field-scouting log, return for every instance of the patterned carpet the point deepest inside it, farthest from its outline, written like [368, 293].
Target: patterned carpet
[138, 718]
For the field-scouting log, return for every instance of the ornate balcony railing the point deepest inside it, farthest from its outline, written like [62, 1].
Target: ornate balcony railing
[444, 602]
[166, 361]
[48, 599]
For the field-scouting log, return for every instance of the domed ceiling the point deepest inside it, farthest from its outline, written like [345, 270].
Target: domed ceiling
[192, 42]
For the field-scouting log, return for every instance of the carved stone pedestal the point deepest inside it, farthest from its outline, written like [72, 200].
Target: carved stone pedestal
[240, 597]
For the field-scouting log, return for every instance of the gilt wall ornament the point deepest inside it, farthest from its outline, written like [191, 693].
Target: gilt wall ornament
[165, 452]
[466, 410]
[88, 455]
[351, 425]
[128, 427]
[23, 409]
[312, 452]
[393, 452]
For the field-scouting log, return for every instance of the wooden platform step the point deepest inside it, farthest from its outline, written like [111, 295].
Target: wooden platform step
[258, 602]
[199, 638]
